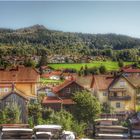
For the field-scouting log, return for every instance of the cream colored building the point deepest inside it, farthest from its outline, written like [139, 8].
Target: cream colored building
[122, 95]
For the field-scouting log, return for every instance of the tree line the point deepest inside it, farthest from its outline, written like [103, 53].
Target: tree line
[37, 40]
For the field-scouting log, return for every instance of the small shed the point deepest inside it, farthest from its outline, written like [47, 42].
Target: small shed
[15, 97]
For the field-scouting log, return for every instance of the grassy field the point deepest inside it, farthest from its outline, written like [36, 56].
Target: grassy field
[110, 65]
[47, 81]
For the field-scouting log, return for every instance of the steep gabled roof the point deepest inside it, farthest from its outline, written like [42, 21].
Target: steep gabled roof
[101, 82]
[3, 96]
[21, 74]
[133, 79]
[118, 77]
[65, 84]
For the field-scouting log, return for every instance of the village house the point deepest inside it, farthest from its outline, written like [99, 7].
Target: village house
[61, 95]
[25, 80]
[124, 90]
[18, 86]
[55, 75]
[46, 69]
[15, 97]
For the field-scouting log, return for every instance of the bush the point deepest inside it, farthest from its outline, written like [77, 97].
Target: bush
[63, 118]
[87, 107]
[125, 123]
[102, 69]
[35, 112]
[120, 63]
[2, 120]
[106, 108]
[93, 70]
[79, 128]
[11, 114]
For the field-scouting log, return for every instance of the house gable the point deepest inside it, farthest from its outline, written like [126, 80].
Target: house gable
[16, 98]
[120, 82]
[67, 89]
[122, 94]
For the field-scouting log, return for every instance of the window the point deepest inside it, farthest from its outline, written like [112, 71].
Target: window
[122, 83]
[6, 90]
[7, 103]
[118, 105]
[104, 94]
[115, 94]
[68, 90]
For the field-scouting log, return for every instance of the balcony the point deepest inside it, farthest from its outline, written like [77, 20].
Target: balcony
[118, 98]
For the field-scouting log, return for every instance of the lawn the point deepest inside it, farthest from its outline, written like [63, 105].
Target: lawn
[47, 81]
[110, 65]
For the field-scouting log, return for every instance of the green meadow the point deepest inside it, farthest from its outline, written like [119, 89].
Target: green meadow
[110, 65]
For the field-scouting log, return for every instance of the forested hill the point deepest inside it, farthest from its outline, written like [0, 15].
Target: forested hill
[39, 38]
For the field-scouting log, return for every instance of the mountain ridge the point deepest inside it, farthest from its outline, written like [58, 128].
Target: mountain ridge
[41, 39]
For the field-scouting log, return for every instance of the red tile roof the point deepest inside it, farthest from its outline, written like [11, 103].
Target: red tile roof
[21, 74]
[48, 100]
[130, 70]
[45, 75]
[68, 101]
[101, 82]
[56, 100]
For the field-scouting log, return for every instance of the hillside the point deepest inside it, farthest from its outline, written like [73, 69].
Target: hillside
[38, 39]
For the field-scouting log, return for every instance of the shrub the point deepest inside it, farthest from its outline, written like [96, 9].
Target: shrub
[102, 69]
[79, 128]
[120, 63]
[11, 114]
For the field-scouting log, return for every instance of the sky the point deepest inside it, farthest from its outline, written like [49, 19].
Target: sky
[74, 16]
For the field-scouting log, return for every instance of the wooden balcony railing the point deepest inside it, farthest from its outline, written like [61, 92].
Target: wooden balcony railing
[117, 98]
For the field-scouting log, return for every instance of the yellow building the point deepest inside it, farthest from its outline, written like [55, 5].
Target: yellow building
[25, 80]
[122, 95]
[124, 91]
